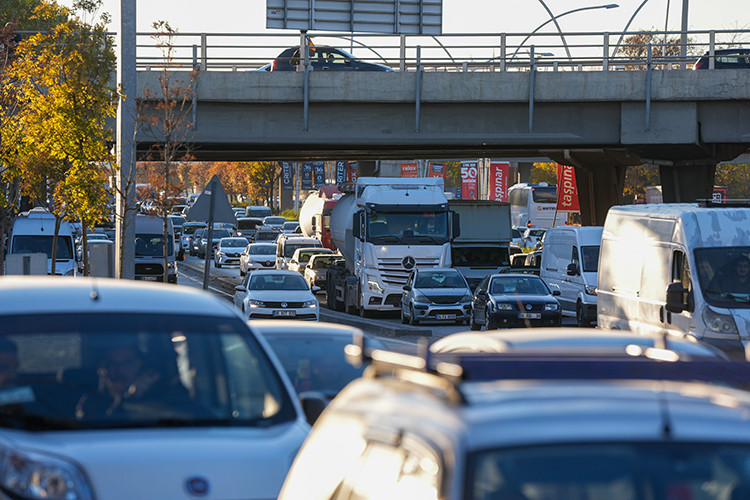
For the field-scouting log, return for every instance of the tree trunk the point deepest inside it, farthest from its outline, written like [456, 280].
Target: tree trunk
[84, 247]
[58, 222]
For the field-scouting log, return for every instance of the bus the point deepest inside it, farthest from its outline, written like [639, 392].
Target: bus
[535, 203]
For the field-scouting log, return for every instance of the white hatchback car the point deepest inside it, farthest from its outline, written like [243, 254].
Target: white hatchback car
[228, 251]
[115, 389]
[274, 294]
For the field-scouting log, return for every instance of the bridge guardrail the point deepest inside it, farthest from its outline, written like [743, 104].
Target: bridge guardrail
[464, 52]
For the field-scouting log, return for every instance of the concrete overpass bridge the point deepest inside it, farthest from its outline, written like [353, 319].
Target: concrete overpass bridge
[599, 121]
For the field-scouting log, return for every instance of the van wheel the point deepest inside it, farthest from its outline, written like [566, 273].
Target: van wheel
[580, 319]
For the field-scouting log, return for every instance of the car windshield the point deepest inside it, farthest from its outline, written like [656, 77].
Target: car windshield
[266, 235]
[724, 275]
[322, 262]
[234, 243]
[116, 370]
[151, 245]
[274, 220]
[262, 249]
[290, 247]
[31, 243]
[315, 363]
[522, 285]
[610, 470]
[277, 282]
[218, 234]
[290, 225]
[248, 223]
[439, 279]
[191, 228]
[304, 257]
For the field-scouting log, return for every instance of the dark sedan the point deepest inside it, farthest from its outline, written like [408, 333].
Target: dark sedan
[514, 300]
[736, 58]
[324, 58]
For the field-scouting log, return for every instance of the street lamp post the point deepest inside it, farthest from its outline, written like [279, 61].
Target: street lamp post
[554, 20]
[683, 34]
[622, 35]
[545, 23]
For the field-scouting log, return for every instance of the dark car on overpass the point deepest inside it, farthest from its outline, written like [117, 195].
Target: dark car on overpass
[323, 58]
[736, 58]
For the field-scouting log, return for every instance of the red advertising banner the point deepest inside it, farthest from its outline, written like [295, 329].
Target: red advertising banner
[409, 170]
[436, 170]
[351, 172]
[499, 172]
[567, 192]
[469, 180]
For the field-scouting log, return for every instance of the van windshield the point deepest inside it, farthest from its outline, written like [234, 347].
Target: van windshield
[152, 245]
[32, 243]
[724, 275]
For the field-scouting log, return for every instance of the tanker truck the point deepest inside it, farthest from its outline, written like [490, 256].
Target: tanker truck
[315, 214]
[385, 228]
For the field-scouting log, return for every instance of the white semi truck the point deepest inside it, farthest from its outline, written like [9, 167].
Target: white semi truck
[385, 228]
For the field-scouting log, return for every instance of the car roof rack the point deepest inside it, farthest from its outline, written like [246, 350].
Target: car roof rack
[446, 372]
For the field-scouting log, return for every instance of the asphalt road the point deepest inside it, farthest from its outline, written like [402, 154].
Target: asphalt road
[386, 326]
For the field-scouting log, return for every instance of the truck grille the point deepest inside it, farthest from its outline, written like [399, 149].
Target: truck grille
[394, 273]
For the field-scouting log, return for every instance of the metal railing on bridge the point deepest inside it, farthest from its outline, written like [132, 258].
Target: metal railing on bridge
[575, 51]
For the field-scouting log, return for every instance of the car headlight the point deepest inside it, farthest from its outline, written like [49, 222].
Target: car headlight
[503, 306]
[33, 475]
[310, 303]
[718, 322]
[467, 298]
[255, 303]
[171, 265]
[591, 290]
[373, 285]
[551, 307]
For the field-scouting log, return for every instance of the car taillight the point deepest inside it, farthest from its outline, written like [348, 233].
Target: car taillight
[275, 65]
[700, 64]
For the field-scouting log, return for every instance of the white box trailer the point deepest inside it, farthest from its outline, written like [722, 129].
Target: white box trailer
[678, 269]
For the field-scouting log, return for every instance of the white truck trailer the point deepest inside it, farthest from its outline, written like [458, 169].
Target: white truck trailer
[385, 228]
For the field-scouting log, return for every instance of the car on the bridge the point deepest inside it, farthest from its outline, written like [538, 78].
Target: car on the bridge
[506, 427]
[276, 294]
[514, 300]
[324, 58]
[116, 389]
[735, 58]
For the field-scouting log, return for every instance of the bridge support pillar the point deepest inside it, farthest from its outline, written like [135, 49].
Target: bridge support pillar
[599, 188]
[523, 171]
[367, 168]
[684, 183]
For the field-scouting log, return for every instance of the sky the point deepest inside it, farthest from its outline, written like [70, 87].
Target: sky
[459, 16]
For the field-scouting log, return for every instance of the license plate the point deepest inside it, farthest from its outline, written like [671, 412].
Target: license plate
[529, 315]
[284, 313]
[149, 278]
[445, 316]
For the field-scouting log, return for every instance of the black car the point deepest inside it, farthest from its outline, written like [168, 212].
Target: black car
[514, 300]
[725, 59]
[323, 58]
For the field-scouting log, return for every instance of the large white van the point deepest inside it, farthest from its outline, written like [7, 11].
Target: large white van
[149, 249]
[675, 268]
[570, 259]
[33, 232]
[286, 244]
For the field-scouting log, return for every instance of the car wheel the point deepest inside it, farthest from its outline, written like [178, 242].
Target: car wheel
[490, 325]
[580, 318]
[404, 319]
[364, 313]
[216, 264]
[413, 317]
[473, 325]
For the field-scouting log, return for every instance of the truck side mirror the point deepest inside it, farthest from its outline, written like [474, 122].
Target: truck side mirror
[572, 269]
[356, 225]
[676, 303]
[456, 224]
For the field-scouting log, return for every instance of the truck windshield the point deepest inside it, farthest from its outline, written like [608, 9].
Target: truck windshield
[151, 245]
[31, 243]
[724, 275]
[408, 228]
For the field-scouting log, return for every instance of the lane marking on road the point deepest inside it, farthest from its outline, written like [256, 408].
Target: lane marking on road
[212, 288]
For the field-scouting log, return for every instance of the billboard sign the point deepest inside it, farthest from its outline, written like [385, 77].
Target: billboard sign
[287, 176]
[567, 192]
[499, 172]
[397, 17]
[409, 170]
[469, 172]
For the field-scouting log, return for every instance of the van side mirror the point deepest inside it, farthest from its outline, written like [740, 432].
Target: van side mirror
[677, 301]
[572, 269]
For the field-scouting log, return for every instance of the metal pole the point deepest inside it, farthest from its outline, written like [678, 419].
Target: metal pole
[296, 185]
[210, 236]
[419, 86]
[648, 90]
[126, 149]
[683, 34]
[554, 20]
[622, 35]
[532, 70]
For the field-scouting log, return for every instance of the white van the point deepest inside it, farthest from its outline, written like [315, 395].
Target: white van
[570, 257]
[286, 244]
[674, 268]
[149, 249]
[33, 232]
